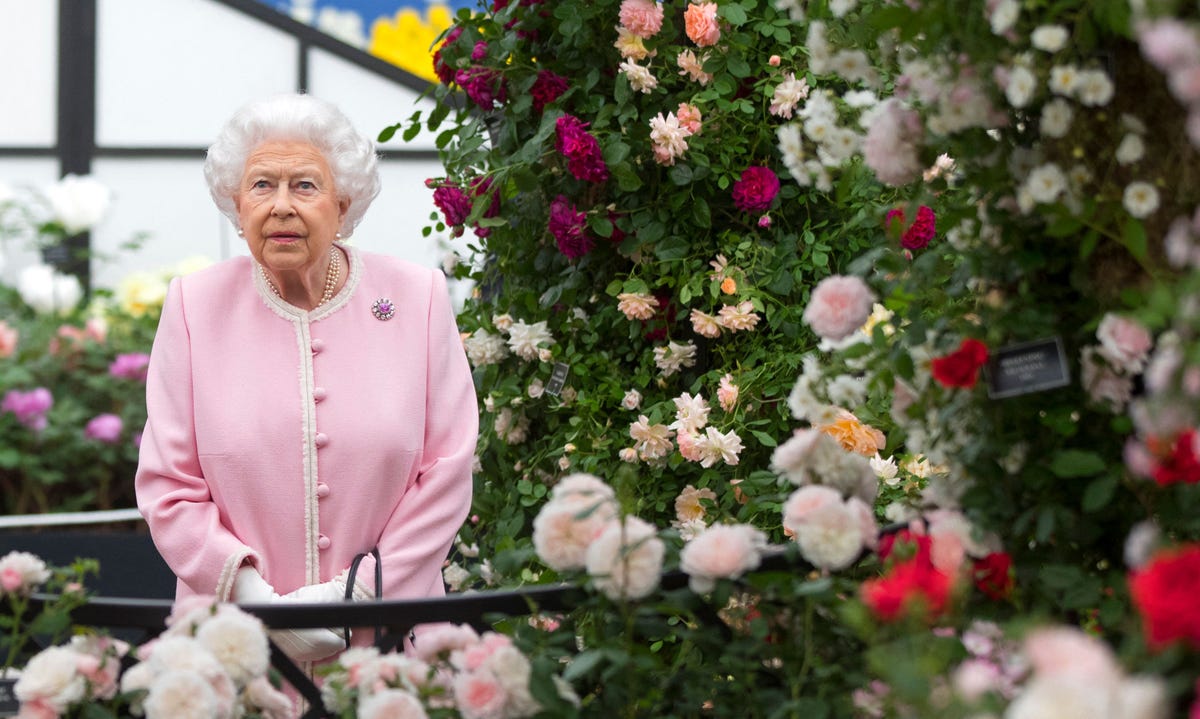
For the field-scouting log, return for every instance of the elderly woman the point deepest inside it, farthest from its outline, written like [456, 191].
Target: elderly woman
[311, 402]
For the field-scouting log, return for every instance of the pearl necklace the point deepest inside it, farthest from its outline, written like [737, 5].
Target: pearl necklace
[331, 277]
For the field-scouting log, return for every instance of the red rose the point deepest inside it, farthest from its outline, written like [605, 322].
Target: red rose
[960, 368]
[756, 189]
[919, 234]
[904, 544]
[1164, 592]
[993, 575]
[911, 586]
[1181, 465]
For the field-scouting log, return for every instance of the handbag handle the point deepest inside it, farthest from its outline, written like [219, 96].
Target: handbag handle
[353, 572]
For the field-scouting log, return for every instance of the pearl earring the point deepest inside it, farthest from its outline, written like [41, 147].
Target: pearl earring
[241, 232]
[338, 235]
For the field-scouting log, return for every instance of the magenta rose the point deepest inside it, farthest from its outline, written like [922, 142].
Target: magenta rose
[547, 88]
[756, 190]
[104, 428]
[569, 228]
[582, 151]
[454, 204]
[130, 366]
[483, 85]
[479, 187]
[30, 407]
[444, 72]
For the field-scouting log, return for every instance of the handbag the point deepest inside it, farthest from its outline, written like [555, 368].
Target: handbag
[353, 572]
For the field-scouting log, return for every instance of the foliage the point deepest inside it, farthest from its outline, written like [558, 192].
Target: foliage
[998, 174]
[72, 370]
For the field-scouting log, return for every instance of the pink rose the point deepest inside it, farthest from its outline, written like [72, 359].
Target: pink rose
[723, 551]
[104, 428]
[839, 305]
[689, 117]
[8, 339]
[700, 23]
[642, 18]
[806, 501]
[756, 189]
[890, 148]
[1125, 341]
[479, 694]
[1059, 651]
[10, 579]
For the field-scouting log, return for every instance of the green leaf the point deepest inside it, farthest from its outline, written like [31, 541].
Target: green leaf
[582, 664]
[735, 14]
[738, 67]
[1134, 238]
[9, 457]
[601, 225]
[1076, 463]
[388, 132]
[439, 113]
[680, 174]
[615, 152]
[766, 439]
[1099, 493]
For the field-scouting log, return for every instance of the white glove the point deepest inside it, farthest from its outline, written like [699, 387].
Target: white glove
[331, 591]
[304, 645]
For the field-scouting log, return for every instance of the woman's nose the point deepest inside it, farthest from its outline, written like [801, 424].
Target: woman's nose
[283, 202]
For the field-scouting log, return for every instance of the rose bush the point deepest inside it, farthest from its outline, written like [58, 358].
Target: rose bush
[856, 213]
[72, 370]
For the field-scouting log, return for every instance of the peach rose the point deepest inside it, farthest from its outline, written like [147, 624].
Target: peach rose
[700, 22]
[854, 436]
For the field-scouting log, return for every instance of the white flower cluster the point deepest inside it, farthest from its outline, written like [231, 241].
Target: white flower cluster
[580, 528]
[21, 573]
[831, 531]
[527, 341]
[811, 457]
[212, 661]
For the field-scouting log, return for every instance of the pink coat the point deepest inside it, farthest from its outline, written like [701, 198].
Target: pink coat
[294, 440]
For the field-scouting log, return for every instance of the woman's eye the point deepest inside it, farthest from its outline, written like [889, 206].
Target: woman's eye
[305, 185]
[260, 184]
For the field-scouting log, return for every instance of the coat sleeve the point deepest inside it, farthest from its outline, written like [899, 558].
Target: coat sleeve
[425, 521]
[172, 492]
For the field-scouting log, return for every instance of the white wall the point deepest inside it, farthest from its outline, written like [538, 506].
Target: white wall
[169, 72]
[28, 67]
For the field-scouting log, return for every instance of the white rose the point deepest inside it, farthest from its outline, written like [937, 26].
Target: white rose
[52, 677]
[47, 291]
[78, 203]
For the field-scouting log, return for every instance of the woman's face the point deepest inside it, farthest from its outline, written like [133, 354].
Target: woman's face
[287, 205]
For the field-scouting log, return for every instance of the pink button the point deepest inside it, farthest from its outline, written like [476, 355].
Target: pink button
[318, 394]
[321, 439]
[322, 490]
[323, 542]
[317, 346]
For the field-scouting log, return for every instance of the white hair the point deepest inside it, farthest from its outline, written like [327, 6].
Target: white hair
[350, 155]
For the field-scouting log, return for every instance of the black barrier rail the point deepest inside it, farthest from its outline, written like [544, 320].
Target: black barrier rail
[396, 617]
